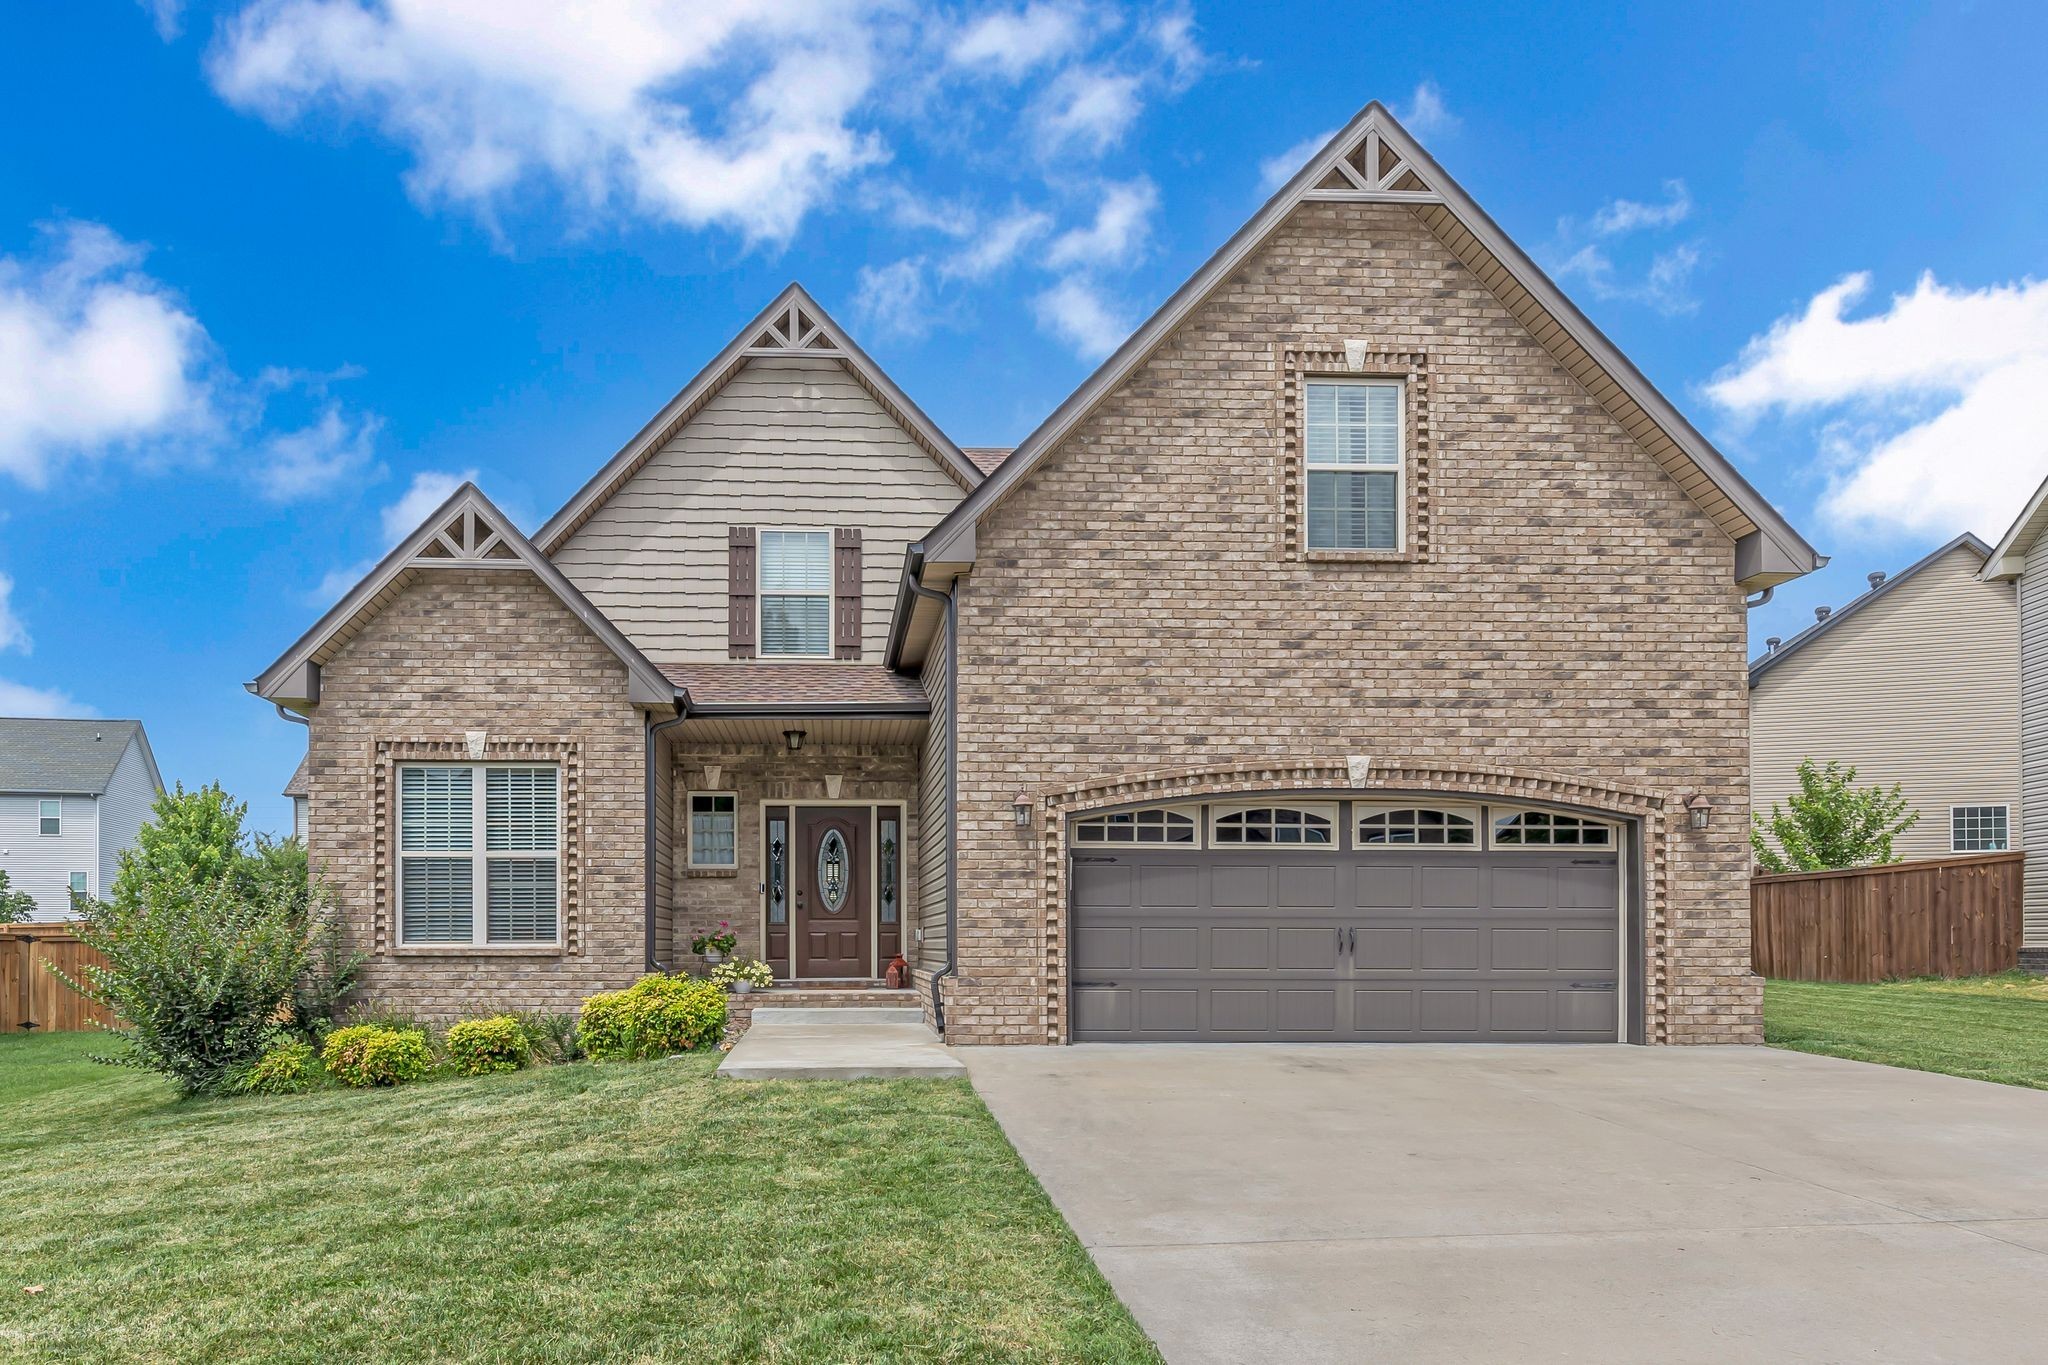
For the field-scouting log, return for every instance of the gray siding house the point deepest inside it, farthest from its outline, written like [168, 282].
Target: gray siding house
[73, 795]
[1915, 682]
[2021, 558]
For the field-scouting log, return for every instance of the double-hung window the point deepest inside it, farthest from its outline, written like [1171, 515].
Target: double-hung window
[479, 852]
[1355, 465]
[50, 817]
[796, 593]
[714, 829]
[1979, 829]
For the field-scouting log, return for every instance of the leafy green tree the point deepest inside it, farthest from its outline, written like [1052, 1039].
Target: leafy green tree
[15, 906]
[1831, 823]
[193, 839]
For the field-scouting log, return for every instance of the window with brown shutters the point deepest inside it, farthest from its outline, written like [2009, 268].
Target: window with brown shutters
[739, 597]
[846, 593]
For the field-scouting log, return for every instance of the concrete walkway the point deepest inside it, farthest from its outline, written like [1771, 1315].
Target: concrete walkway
[1541, 1203]
[838, 1045]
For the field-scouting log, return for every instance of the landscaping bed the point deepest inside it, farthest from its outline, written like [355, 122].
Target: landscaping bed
[620, 1211]
[1990, 1028]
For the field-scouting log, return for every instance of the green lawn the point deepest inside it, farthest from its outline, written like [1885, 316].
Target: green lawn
[630, 1212]
[1991, 1028]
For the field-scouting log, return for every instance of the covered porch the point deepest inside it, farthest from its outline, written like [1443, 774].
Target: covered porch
[792, 817]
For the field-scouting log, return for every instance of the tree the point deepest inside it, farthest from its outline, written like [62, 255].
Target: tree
[15, 906]
[1831, 823]
[193, 839]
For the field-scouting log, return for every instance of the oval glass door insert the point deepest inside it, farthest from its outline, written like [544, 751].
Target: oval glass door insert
[832, 872]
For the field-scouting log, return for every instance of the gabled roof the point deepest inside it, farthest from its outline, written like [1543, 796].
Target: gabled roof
[986, 458]
[67, 757]
[300, 784]
[1770, 659]
[1374, 160]
[467, 532]
[2009, 558]
[793, 325]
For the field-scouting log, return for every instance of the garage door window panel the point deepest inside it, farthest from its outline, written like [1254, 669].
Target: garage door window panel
[1162, 826]
[1274, 827]
[1549, 829]
[1413, 826]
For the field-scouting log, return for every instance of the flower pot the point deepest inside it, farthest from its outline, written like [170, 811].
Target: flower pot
[713, 956]
[742, 987]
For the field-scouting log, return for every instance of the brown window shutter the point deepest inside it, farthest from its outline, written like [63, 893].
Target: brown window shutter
[739, 593]
[846, 593]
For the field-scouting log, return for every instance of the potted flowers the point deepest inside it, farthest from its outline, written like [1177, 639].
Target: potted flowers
[714, 947]
[742, 975]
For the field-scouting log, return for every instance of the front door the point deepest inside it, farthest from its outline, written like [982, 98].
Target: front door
[831, 891]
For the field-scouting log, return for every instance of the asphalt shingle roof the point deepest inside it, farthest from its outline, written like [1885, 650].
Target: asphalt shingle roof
[71, 756]
[794, 685]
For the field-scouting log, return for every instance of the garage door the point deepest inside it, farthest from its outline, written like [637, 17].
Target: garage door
[1380, 945]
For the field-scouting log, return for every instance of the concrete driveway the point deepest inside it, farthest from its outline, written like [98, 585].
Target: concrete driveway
[1276, 1203]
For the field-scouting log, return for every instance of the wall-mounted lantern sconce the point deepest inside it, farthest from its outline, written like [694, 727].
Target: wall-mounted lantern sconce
[795, 740]
[1023, 805]
[1698, 811]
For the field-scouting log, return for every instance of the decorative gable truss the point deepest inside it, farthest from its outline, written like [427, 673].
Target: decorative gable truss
[1373, 172]
[467, 532]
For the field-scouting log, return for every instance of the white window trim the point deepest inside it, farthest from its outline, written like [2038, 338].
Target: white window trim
[480, 861]
[1191, 813]
[1399, 468]
[1325, 809]
[1361, 809]
[761, 595]
[1496, 814]
[71, 881]
[56, 833]
[690, 832]
[1980, 805]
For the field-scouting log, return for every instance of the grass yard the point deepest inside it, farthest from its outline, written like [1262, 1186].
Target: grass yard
[1990, 1028]
[628, 1212]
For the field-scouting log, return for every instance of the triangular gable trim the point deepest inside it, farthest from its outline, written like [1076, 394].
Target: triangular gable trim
[1770, 659]
[2009, 559]
[468, 532]
[1375, 160]
[793, 325]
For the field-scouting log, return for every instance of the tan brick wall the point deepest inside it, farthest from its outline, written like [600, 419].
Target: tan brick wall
[1134, 609]
[491, 651]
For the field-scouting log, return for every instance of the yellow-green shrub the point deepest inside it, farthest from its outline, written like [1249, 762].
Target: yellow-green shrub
[372, 1054]
[476, 1046]
[654, 1016]
[288, 1068]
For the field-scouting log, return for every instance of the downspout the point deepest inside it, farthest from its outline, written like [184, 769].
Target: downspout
[945, 600]
[292, 716]
[654, 730]
[1754, 602]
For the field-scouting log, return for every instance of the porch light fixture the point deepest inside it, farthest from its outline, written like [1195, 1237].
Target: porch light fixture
[1022, 805]
[1698, 811]
[795, 740]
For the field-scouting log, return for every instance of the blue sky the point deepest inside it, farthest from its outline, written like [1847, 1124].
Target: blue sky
[273, 274]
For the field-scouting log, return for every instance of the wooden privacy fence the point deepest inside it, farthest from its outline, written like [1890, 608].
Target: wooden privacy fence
[30, 997]
[1931, 917]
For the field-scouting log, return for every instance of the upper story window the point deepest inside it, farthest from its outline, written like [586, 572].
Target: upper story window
[1417, 825]
[1547, 829]
[479, 850]
[50, 817]
[1136, 827]
[1979, 829]
[1353, 458]
[1267, 825]
[796, 593]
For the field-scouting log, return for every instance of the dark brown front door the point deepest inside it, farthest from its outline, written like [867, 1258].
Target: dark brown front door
[831, 891]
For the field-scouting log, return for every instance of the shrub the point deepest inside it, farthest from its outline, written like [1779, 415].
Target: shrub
[371, 1054]
[288, 1068]
[16, 907]
[551, 1037]
[654, 1016]
[476, 1046]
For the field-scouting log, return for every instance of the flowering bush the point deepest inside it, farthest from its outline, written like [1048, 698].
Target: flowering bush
[476, 1046]
[288, 1068]
[654, 1016]
[724, 941]
[755, 973]
[372, 1054]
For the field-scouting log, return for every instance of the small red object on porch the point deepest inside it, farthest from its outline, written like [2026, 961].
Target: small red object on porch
[898, 975]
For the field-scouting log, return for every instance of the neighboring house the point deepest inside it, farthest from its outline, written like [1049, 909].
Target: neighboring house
[2021, 558]
[296, 789]
[1916, 682]
[73, 795]
[1357, 654]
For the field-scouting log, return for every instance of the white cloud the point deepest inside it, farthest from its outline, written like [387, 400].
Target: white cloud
[1276, 171]
[697, 112]
[167, 15]
[1665, 286]
[1629, 215]
[1173, 33]
[1934, 412]
[19, 699]
[1122, 221]
[13, 634]
[95, 356]
[892, 299]
[1427, 115]
[997, 245]
[429, 489]
[1086, 110]
[1014, 42]
[317, 458]
[1075, 311]
[1665, 283]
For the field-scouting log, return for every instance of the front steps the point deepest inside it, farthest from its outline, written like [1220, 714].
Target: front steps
[821, 995]
[886, 1041]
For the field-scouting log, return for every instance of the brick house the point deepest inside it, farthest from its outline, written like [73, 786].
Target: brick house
[1358, 654]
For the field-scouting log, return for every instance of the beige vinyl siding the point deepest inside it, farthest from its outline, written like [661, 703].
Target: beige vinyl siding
[2033, 609]
[1920, 688]
[935, 823]
[789, 442]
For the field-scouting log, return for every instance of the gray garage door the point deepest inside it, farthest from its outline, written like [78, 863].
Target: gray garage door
[1381, 946]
